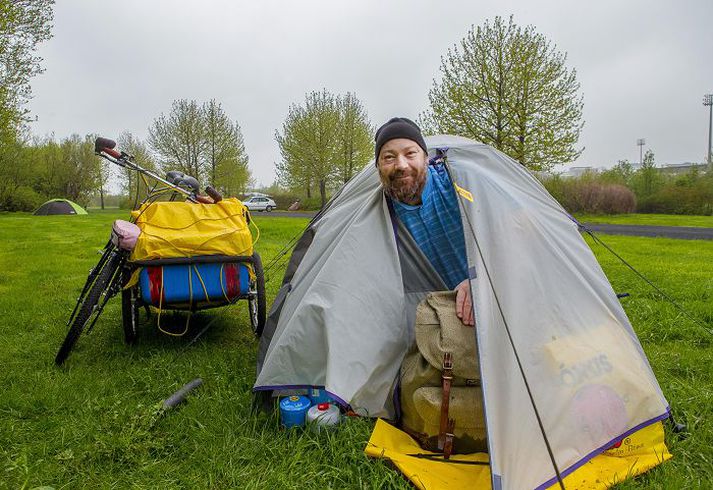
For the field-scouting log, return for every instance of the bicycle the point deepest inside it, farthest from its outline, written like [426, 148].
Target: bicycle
[115, 268]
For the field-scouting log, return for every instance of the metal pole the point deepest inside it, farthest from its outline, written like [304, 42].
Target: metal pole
[708, 101]
[710, 124]
[641, 142]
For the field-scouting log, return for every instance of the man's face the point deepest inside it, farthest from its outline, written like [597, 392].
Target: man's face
[402, 169]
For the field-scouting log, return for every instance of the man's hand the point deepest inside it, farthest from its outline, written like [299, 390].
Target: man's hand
[464, 304]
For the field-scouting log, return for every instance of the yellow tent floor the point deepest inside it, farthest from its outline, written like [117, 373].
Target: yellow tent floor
[640, 452]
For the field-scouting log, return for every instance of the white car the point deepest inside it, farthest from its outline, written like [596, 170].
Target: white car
[256, 203]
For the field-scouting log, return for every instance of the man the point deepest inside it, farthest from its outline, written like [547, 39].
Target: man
[425, 201]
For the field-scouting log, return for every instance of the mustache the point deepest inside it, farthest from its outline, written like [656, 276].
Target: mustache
[397, 174]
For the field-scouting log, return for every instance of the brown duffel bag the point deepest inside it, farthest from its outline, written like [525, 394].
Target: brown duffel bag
[441, 394]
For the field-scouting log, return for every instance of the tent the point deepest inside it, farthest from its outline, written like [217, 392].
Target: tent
[59, 206]
[564, 376]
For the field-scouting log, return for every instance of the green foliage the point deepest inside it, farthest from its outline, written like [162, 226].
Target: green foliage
[355, 143]
[283, 200]
[691, 193]
[23, 25]
[323, 143]
[201, 141]
[509, 87]
[621, 174]
[179, 137]
[48, 169]
[622, 189]
[132, 183]
[647, 180]
[307, 143]
[226, 157]
[23, 198]
[656, 192]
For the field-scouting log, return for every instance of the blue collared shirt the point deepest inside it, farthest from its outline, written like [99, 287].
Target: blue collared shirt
[436, 226]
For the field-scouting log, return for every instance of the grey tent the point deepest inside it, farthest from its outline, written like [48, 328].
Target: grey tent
[564, 375]
[59, 206]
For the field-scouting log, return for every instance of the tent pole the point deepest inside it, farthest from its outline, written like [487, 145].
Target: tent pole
[507, 330]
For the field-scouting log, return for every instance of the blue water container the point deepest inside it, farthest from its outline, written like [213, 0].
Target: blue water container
[171, 284]
[293, 410]
[318, 395]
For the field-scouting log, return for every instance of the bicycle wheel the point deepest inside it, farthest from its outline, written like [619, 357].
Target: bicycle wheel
[256, 302]
[88, 306]
[108, 248]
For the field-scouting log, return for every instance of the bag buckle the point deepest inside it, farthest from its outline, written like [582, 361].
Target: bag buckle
[447, 361]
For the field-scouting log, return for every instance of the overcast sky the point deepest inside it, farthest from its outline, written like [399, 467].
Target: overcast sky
[113, 66]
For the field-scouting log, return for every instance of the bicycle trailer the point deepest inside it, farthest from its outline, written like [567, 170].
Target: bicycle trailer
[172, 255]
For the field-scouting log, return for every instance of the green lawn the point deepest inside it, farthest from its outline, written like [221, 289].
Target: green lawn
[648, 219]
[95, 422]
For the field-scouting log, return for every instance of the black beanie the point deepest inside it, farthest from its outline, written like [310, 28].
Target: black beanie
[398, 127]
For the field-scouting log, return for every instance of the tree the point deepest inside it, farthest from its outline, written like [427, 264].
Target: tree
[308, 143]
[225, 156]
[18, 175]
[68, 168]
[23, 25]
[134, 186]
[356, 144]
[647, 180]
[179, 137]
[104, 173]
[621, 173]
[509, 87]
[202, 141]
[323, 142]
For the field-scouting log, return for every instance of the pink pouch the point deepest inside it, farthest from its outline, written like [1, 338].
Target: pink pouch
[124, 234]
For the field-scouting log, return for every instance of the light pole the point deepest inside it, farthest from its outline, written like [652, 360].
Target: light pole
[641, 142]
[708, 100]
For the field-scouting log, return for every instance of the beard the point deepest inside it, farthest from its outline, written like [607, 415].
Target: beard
[408, 191]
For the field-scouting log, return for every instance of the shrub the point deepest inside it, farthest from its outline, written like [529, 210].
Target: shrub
[690, 193]
[587, 195]
[23, 198]
[284, 200]
[679, 200]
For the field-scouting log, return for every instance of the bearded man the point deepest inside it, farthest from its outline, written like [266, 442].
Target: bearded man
[425, 201]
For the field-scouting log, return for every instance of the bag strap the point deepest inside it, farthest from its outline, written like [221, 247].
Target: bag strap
[448, 446]
[446, 378]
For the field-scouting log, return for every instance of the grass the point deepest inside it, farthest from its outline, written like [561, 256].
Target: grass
[96, 422]
[648, 219]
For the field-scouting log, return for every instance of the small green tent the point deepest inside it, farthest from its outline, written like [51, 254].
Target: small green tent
[59, 206]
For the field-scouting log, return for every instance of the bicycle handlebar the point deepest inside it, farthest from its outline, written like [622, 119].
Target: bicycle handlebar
[213, 193]
[102, 144]
[107, 146]
[178, 181]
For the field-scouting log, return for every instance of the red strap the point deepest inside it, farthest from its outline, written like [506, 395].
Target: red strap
[155, 280]
[232, 280]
